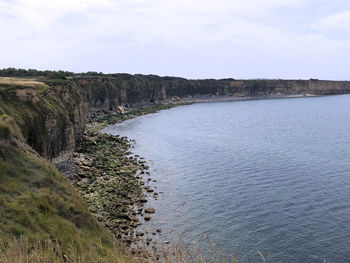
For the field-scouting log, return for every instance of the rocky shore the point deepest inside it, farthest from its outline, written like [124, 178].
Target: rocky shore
[113, 181]
[45, 123]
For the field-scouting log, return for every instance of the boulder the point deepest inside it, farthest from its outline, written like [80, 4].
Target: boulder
[143, 200]
[150, 210]
[139, 233]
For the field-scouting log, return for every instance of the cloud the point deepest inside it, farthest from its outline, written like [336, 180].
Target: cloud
[176, 37]
[337, 22]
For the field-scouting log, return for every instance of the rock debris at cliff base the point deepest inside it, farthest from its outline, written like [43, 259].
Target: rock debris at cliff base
[109, 179]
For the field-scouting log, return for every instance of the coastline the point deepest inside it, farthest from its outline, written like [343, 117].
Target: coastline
[104, 167]
[113, 181]
[42, 124]
[221, 98]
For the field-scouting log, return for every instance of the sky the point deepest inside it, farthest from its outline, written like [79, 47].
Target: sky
[242, 39]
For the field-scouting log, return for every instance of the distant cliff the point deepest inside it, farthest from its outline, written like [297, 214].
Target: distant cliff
[50, 109]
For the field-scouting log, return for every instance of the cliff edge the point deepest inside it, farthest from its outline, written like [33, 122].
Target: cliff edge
[43, 114]
[51, 109]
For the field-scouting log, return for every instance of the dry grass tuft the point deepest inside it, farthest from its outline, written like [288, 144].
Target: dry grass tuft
[30, 82]
[20, 250]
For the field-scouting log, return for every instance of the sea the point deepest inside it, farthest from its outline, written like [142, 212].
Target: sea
[269, 176]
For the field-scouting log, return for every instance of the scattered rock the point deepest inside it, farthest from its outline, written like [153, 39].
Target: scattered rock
[139, 233]
[82, 175]
[86, 163]
[143, 200]
[107, 174]
[150, 210]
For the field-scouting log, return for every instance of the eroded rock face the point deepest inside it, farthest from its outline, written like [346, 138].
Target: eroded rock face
[66, 152]
[28, 94]
[54, 118]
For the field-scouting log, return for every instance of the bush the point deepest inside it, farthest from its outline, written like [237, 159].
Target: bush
[57, 75]
[4, 131]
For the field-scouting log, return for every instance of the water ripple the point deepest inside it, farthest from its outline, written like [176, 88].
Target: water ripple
[268, 175]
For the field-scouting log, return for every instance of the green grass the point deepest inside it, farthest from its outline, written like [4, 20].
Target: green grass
[20, 250]
[31, 117]
[37, 202]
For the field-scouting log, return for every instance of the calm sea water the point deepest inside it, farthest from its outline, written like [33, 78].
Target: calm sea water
[264, 175]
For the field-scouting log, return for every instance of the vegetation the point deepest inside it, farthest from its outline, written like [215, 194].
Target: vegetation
[13, 72]
[39, 209]
[39, 114]
[20, 250]
[38, 202]
[42, 217]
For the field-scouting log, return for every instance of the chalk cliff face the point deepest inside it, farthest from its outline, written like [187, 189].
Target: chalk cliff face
[51, 114]
[126, 89]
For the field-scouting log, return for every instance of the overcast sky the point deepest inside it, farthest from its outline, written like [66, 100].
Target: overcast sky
[189, 38]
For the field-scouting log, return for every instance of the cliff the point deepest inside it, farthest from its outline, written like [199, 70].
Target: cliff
[51, 113]
[43, 114]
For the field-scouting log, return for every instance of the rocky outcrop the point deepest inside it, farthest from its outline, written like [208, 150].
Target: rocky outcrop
[52, 113]
[105, 93]
[27, 94]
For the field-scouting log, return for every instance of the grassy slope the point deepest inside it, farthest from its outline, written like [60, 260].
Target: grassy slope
[36, 201]
[38, 206]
